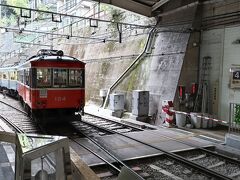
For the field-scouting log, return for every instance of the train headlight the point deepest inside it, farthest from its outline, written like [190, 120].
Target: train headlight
[41, 104]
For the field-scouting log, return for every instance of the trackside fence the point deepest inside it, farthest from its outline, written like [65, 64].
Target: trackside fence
[234, 118]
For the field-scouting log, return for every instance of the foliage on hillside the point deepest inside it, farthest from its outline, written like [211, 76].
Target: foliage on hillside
[237, 114]
[20, 3]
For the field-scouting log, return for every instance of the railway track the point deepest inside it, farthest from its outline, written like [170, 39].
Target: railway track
[223, 165]
[197, 164]
[148, 169]
[17, 118]
[166, 168]
[214, 165]
[102, 123]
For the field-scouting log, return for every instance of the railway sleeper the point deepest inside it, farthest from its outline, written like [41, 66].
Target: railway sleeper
[197, 157]
[166, 173]
[216, 165]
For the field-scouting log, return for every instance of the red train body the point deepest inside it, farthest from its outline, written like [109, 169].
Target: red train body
[51, 85]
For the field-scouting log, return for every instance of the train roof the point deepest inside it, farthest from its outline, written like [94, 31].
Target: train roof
[9, 68]
[53, 58]
[43, 55]
[52, 55]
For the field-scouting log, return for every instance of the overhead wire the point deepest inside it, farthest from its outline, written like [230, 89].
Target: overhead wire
[73, 16]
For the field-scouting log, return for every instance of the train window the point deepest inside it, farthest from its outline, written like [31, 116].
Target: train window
[43, 77]
[20, 76]
[75, 77]
[59, 77]
[13, 75]
[27, 77]
[4, 76]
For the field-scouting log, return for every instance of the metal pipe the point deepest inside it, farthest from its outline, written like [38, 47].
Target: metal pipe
[34, 44]
[147, 45]
[128, 56]
[56, 34]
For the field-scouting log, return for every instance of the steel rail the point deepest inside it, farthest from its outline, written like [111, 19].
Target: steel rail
[109, 153]
[12, 124]
[23, 112]
[170, 154]
[128, 125]
[232, 160]
[97, 155]
[14, 108]
[19, 130]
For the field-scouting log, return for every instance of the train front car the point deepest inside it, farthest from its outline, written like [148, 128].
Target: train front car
[53, 86]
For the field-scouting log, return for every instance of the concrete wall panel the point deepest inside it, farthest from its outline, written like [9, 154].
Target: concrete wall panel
[219, 45]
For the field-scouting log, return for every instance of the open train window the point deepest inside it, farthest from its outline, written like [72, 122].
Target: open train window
[43, 77]
[60, 77]
[76, 77]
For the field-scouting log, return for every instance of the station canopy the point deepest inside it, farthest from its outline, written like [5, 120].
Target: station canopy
[149, 8]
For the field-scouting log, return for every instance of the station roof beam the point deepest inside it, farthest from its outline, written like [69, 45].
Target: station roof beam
[152, 8]
[143, 7]
[131, 5]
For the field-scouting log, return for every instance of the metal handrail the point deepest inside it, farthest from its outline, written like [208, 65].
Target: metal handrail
[146, 48]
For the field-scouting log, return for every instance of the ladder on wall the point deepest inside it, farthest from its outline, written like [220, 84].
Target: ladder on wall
[201, 102]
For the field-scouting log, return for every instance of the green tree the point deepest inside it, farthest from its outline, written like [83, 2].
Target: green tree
[237, 114]
[7, 21]
[20, 3]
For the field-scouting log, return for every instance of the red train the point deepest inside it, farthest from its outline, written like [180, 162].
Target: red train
[49, 84]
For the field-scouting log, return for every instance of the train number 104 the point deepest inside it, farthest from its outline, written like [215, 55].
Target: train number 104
[60, 99]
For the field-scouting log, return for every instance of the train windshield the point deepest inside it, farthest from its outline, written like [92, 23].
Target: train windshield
[75, 77]
[60, 77]
[43, 77]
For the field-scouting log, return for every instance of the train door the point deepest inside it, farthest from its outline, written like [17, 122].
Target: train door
[24, 88]
[20, 84]
[27, 86]
[30, 85]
